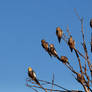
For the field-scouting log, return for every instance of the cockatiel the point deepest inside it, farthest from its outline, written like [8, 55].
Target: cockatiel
[45, 45]
[59, 33]
[32, 75]
[64, 59]
[71, 43]
[91, 23]
[53, 51]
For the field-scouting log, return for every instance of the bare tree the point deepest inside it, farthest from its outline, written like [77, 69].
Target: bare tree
[82, 76]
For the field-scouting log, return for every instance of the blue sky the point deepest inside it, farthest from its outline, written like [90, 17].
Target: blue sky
[23, 23]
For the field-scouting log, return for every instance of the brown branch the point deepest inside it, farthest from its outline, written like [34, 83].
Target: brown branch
[68, 30]
[77, 14]
[91, 42]
[85, 88]
[52, 82]
[86, 53]
[85, 48]
[68, 66]
[79, 62]
[37, 86]
[82, 77]
[48, 89]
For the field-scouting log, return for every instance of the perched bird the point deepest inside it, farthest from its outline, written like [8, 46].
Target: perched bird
[32, 75]
[81, 78]
[64, 59]
[59, 33]
[71, 43]
[53, 51]
[45, 45]
[91, 23]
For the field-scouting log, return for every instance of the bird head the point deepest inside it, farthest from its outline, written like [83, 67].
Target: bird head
[42, 41]
[70, 39]
[79, 75]
[29, 69]
[64, 58]
[58, 28]
[51, 45]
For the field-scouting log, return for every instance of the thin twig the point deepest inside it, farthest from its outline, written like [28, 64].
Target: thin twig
[77, 14]
[68, 30]
[52, 82]
[79, 62]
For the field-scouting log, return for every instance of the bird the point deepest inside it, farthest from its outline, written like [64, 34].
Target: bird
[32, 75]
[45, 45]
[91, 23]
[71, 43]
[81, 78]
[59, 33]
[64, 59]
[53, 51]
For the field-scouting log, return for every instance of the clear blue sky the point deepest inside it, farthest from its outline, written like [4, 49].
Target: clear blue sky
[23, 23]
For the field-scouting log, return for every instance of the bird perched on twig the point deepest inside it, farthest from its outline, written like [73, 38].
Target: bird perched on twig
[91, 23]
[45, 45]
[81, 78]
[53, 51]
[32, 75]
[59, 33]
[64, 59]
[71, 43]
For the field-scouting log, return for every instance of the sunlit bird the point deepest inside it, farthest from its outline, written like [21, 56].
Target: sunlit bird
[59, 33]
[64, 59]
[45, 45]
[80, 78]
[91, 23]
[53, 51]
[71, 43]
[32, 75]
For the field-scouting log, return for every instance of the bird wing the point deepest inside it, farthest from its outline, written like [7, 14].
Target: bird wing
[34, 74]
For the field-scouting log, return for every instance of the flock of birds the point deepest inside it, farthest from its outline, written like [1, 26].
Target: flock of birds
[50, 49]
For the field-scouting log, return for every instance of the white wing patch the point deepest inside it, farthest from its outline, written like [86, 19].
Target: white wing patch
[55, 52]
[34, 74]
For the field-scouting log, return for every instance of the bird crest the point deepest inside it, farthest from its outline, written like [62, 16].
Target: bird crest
[29, 69]
[43, 41]
[51, 45]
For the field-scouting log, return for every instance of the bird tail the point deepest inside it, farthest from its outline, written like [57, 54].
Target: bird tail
[49, 53]
[59, 39]
[71, 49]
[58, 58]
[37, 81]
